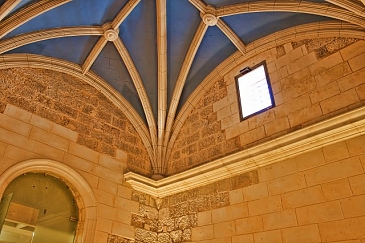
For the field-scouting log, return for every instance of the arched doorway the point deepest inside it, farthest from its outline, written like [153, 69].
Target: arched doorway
[81, 191]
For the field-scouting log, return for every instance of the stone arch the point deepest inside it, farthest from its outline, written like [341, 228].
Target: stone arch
[83, 193]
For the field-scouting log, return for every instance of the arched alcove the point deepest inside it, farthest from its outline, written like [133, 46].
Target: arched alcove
[82, 192]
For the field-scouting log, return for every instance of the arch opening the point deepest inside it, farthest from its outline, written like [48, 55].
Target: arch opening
[81, 191]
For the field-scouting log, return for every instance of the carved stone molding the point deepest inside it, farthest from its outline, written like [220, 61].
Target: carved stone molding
[333, 130]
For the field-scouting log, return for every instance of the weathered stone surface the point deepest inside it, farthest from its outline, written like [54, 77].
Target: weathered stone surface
[164, 238]
[119, 239]
[213, 130]
[186, 235]
[325, 46]
[176, 236]
[76, 105]
[146, 236]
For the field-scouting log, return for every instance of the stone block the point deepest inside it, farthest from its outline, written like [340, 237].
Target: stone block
[303, 197]
[202, 233]
[252, 135]
[254, 192]
[230, 213]
[302, 234]
[295, 78]
[356, 145]
[324, 92]
[268, 236]
[19, 154]
[294, 105]
[333, 74]
[339, 230]
[232, 89]
[302, 62]
[335, 152]
[17, 113]
[325, 64]
[121, 155]
[283, 72]
[83, 152]
[16, 139]
[104, 225]
[275, 87]
[15, 125]
[243, 239]
[109, 174]
[353, 50]
[224, 229]
[234, 108]
[220, 104]
[105, 211]
[111, 163]
[91, 179]
[230, 121]
[317, 213]
[41, 123]
[276, 126]
[307, 114]
[107, 186]
[78, 163]
[224, 112]
[297, 89]
[232, 132]
[279, 220]
[310, 160]
[265, 205]
[2, 148]
[124, 217]
[334, 171]
[286, 184]
[6, 163]
[360, 90]
[101, 236]
[104, 197]
[339, 101]
[357, 184]
[126, 205]
[289, 50]
[249, 225]
[64, 132]
[357, 62]
[280, 169]
[205, 218]
[353, 206]
[49, 138]
[124, 192]
[48, 151]
[123, 230]
[352, 80]
[261, 119]
[336, 189]
[235, 196]
[274, 77]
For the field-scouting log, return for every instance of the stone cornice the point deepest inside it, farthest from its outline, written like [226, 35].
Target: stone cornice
[342, 127]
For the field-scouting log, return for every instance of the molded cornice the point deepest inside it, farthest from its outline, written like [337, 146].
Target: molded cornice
[324, 133]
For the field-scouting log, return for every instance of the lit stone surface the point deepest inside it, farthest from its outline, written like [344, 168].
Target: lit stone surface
[316, 85]
[80, 112]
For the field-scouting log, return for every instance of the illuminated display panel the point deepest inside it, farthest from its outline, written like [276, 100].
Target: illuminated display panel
[254, 91]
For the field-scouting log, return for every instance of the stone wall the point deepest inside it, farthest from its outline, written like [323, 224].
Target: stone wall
[73, 104]
[318, 196]
[312, 80]
[25, 136]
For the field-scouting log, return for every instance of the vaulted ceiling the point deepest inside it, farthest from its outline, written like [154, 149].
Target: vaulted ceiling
[155, 53]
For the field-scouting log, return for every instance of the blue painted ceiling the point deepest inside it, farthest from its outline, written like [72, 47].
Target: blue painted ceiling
[138, 33]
